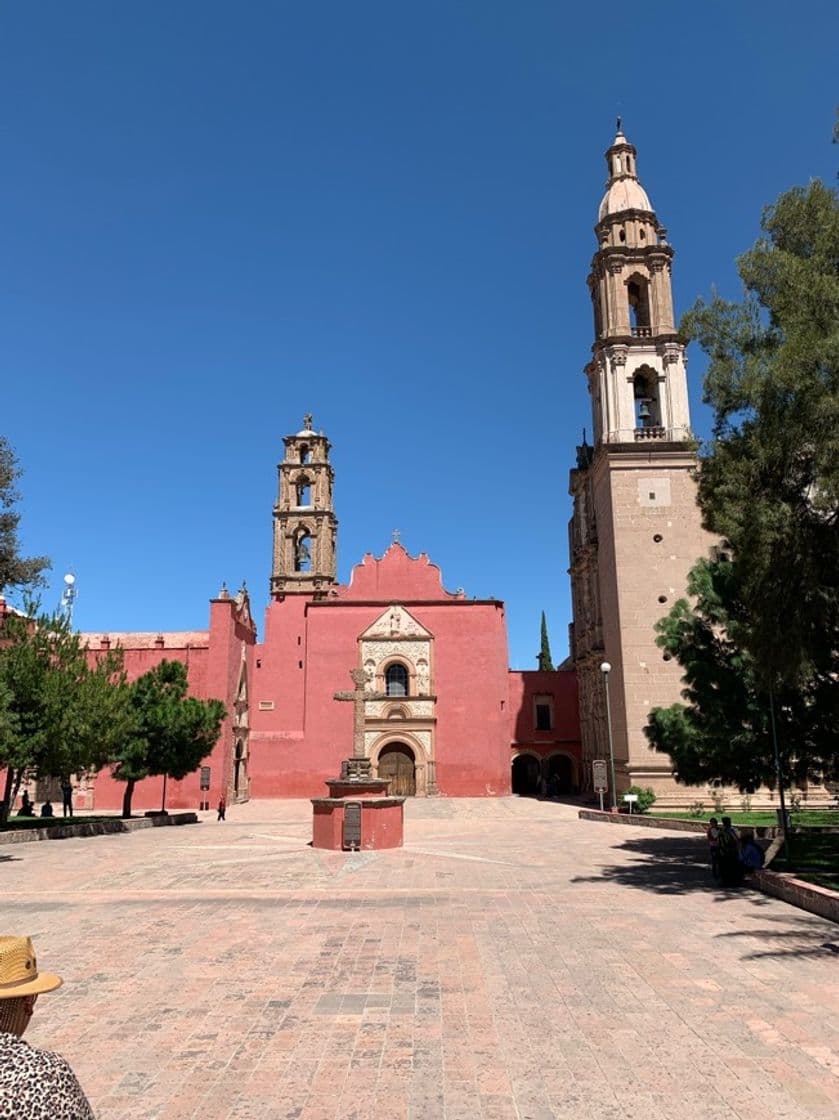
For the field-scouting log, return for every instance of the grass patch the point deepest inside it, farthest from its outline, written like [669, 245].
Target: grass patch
[813, 857]
[815, 817]
[18, 824]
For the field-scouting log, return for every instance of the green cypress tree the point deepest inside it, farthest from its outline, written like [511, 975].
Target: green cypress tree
[545, 661]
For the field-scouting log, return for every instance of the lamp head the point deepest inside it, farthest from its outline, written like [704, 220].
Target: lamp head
[605, 667]
[69, 579]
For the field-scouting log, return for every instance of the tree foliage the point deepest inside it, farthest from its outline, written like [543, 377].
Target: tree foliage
[545, 659]
[170, 732]
[59, 713]
[724, 730]
[15, 570]
[769, 483]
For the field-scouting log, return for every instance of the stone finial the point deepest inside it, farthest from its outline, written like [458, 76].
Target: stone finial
[224, 593]
[307, 422]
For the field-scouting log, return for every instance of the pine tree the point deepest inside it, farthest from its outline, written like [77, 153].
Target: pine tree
[15, 570]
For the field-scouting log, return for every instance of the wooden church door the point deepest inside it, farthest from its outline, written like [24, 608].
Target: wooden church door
[396, 763]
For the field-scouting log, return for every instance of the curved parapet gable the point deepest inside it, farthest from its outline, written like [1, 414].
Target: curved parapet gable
[396, 576]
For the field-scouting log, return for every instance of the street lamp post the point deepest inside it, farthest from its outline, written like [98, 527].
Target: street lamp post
[605, 669]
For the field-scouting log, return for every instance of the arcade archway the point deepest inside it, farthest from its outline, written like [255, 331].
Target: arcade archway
[527, 775]
[560, 775]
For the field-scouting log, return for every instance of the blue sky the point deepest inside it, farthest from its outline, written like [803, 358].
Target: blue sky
[216, 217]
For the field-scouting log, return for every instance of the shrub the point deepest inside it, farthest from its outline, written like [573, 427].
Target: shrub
[646, 797]
[697, 809]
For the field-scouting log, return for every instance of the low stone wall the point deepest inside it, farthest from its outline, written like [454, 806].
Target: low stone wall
[641, 820]
[95, 828]
[806, 896]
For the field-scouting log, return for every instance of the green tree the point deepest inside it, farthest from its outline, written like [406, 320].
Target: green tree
[724, 729]
[61, 711]
[15, 570]
[170, 732]
[545, 661]
[769, 483]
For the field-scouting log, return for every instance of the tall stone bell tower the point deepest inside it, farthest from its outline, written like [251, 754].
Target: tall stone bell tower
[305, 527]
[635, 531]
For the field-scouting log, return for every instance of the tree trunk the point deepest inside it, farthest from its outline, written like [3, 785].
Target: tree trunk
[126, 797]
[6, 803]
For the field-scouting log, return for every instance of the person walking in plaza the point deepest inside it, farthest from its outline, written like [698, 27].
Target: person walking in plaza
[222, 808]
[66, 798]
[712, 832]
[34, 1084]
[731, 869]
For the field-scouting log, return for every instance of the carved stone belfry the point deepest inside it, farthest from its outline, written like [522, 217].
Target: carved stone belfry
[636, 529]
[305, 526]
[637, 375]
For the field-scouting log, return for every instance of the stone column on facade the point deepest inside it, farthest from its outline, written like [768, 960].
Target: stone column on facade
[431, 778]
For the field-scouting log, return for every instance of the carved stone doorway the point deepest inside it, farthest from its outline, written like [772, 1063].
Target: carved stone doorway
[398, 764]
[238, 764]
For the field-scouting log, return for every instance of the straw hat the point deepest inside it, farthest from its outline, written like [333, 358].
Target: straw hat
[19, 975]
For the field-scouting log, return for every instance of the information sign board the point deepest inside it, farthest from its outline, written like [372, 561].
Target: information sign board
[601, 782]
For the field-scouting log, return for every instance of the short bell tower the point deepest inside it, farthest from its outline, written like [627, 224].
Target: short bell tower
[636, 530]
[305, 526]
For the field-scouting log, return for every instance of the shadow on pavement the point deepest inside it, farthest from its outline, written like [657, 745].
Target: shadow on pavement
[809, 937]
[669, 865]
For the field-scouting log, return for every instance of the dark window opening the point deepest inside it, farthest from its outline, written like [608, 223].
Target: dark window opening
[396, 680]
[305, 453]
[543, 717]
[304, 492]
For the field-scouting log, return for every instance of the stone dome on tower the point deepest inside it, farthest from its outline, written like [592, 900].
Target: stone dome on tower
[623, 191]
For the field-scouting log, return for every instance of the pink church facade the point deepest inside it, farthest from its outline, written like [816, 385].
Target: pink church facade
[443, 713]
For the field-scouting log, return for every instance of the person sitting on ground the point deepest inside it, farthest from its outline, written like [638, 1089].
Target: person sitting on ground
[751, 853]
[34, 1084]
[46, 809]
[27, 809]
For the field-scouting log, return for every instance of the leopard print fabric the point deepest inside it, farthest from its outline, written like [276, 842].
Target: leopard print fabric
[38, 1085]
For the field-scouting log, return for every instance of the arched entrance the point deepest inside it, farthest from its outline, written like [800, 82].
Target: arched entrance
[397, 763]
[527, 773]
[561, 775]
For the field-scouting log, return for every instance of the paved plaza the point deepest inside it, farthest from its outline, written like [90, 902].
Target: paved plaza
[510, 961]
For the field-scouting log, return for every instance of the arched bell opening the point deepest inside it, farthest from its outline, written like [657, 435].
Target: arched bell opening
[638, 297]
[646, 398]
[303, 491]
[302, 552]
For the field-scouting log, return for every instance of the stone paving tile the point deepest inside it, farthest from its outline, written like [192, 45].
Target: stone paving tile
[510, 961]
